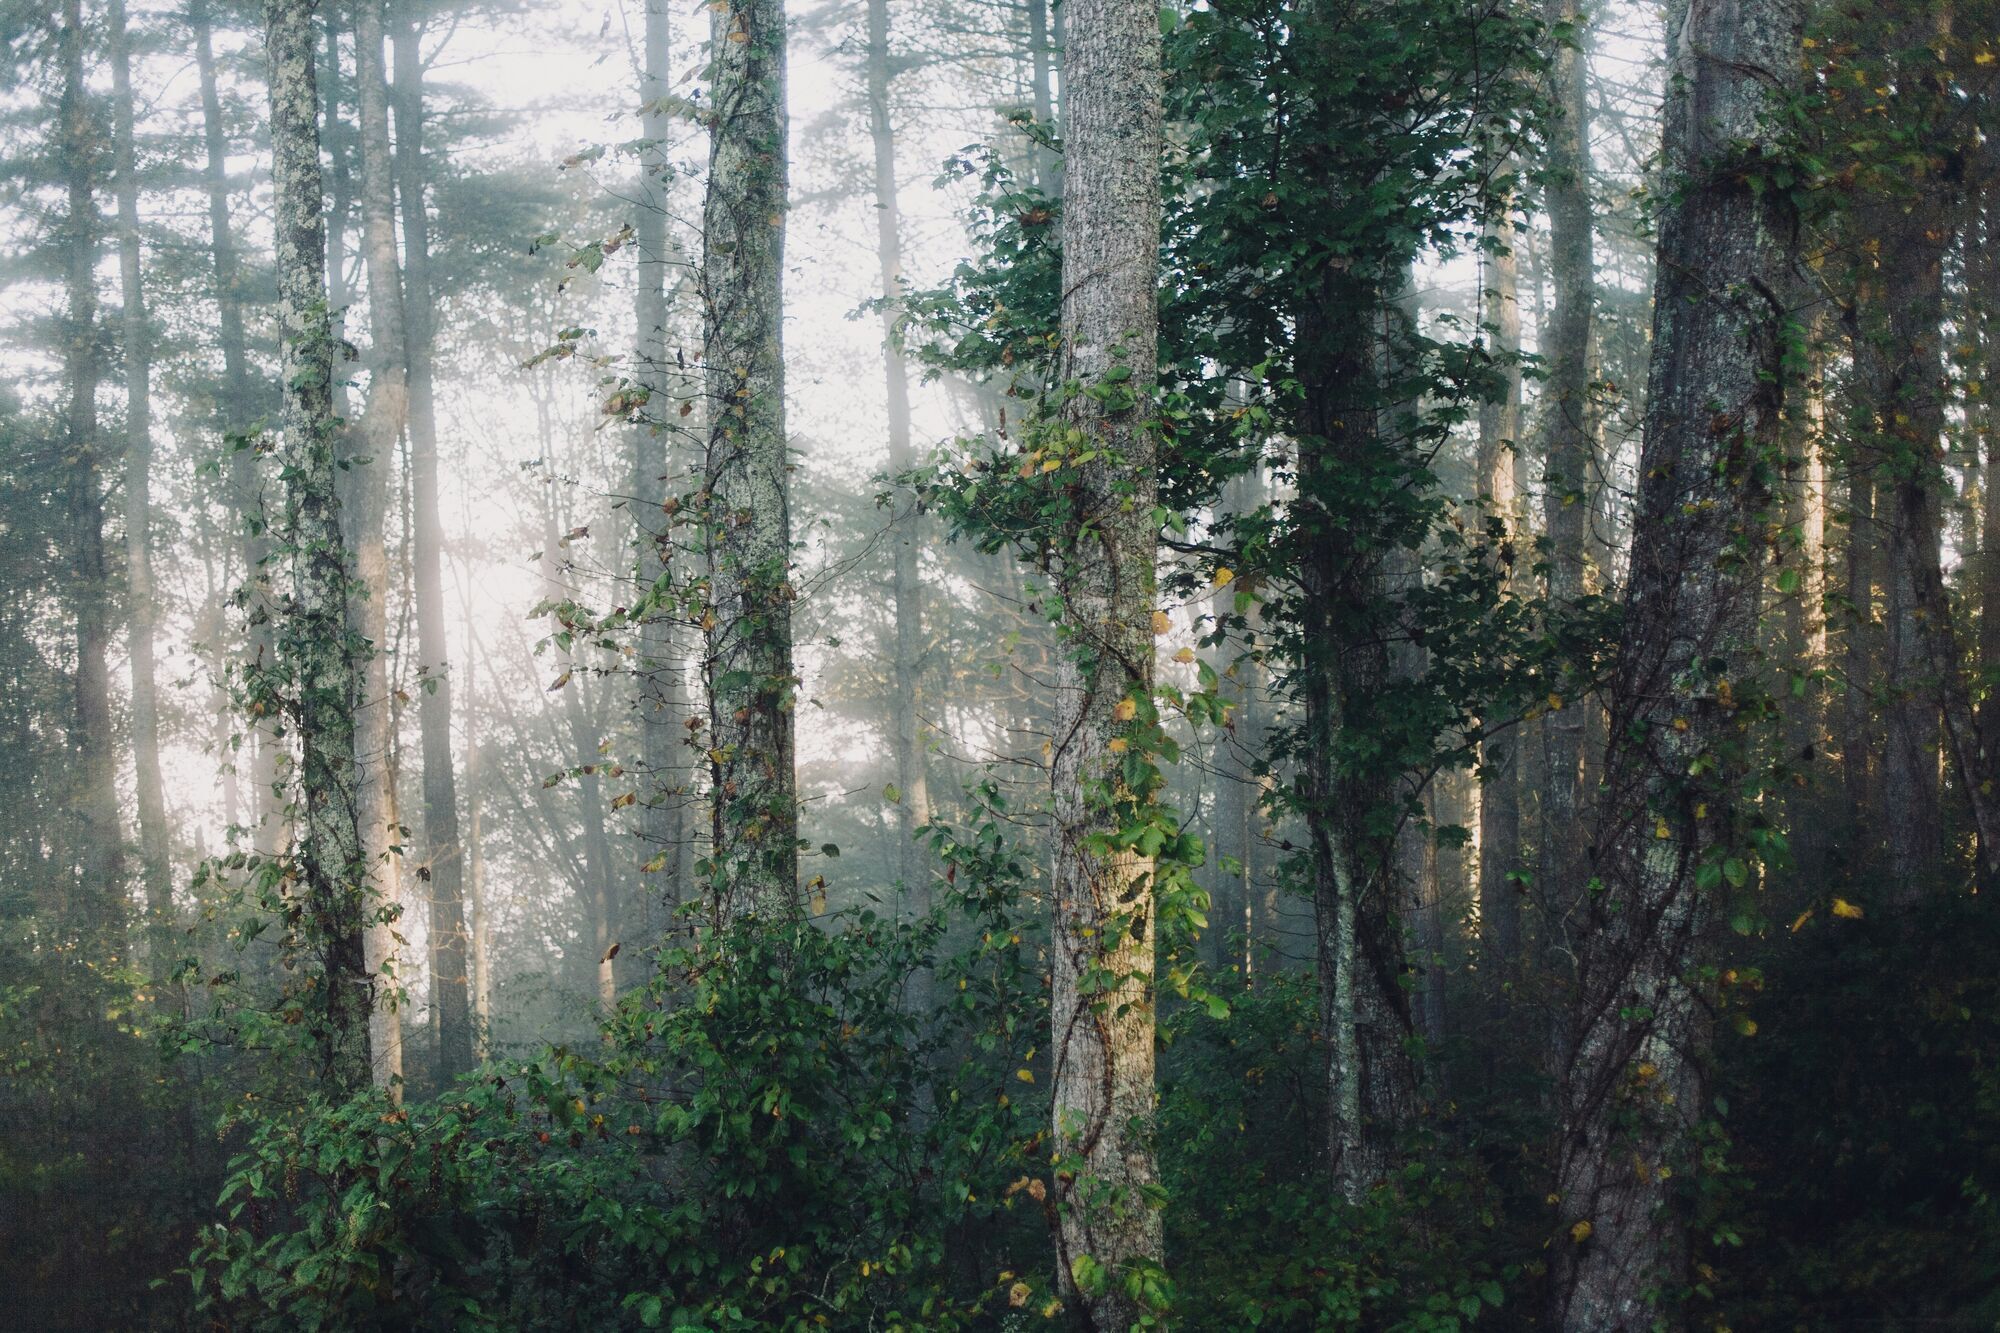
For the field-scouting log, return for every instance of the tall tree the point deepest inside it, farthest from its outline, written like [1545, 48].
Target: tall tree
[371, 448]
[748, 525]
[1102, 899]
[661, 669]
[237, 412]
[1500, 466]
[93, 796]
[913, 798]
[1683, 707]
[1568, 447]
[155, 873]
[1905, 230]
[443, 864]
[321, 655]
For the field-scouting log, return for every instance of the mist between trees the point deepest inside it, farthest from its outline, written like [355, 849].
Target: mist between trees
[998, 664]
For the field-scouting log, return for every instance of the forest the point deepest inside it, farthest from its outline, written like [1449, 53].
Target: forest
[917, 665]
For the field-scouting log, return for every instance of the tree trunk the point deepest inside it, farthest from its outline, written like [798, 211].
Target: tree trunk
[1860, 661]
[319, 653]
[475, 860]
[340, 145]
[237, 414]
[1983, 284]
[1047, 164]
[93, 797]
[1102, 895]
[1897, 371]
[1500, 468]
[750, 682]
[443, 856]
[156, 873]
[660, 672]
[1632, 1084]
[1569, 451]
[373, 448]
[1900, 390]
[1239, 788]
[913, 799]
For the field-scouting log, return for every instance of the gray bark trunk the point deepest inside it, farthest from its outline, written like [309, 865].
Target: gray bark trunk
[237, 413]
[1041, 75]
[1632, 1085]
[373, 449]
[93, 796]
[443, 864]
[1232, 917]
[913, 800]
[1500, 465]
[1569, 451]
[156, 873]
[318, 650]
[752, 689]
[1900, 383]
[660, 672]
[1102, 1049]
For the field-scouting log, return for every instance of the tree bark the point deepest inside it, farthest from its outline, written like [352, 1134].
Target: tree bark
[1569, 452]
[1632, 1083]
[913, 799]
[1102, 935]
[318, 651]
[1500, 465]
[443, 864]
[475, 863]
[660, 673]
[1046, 163]
[1899, 374]
[156, 873]
[1239, 788]
[373, 448]
[93, 797]
[752, 688]
[237, 413]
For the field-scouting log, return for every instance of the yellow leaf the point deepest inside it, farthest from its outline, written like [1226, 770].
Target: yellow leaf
[1223, 576]
[1985, 58]
[1126, 710]
[1051, 464]
[1117, 745]
[1845, 909]
[1025, 1075]
[1184, 656]
[1162, 622]
[740, 36]
[1660, 830]
[819, 904]
[1581, 1232]
[1018, 1294]
[1801, 919]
